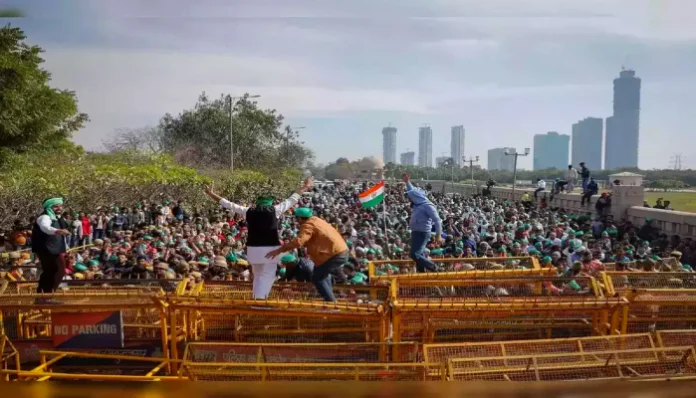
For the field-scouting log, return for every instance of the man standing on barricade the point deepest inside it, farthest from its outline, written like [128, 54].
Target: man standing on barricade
[262, 224]
[48, 242]
[424, 220]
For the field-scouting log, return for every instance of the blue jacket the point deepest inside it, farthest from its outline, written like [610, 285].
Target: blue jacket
[592, 187]
[425, 217]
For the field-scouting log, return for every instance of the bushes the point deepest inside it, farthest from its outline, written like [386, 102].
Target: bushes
[90, 180]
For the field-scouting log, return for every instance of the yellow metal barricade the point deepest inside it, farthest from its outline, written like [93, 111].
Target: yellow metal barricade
[301, 352]
[225, 371]
[658, 300]
[494, 309]
[383, 268]
[274, 321]
[153, 369]
[639, 364]
[294, 291]
[442, 353]
[29, 317]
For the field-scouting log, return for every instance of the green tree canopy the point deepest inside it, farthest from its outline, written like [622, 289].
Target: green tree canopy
[32, 114]
[200, 136]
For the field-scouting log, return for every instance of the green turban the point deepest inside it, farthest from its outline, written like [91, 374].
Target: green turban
[264, 201]
[92, 262]
[231, 258]
[48, 206]
[80, 267]
[286, 259]
[303, 212]
[436, 252]
[546, 260]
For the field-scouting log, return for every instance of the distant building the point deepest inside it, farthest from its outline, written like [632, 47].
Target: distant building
[587, 143]
[389, 145]
[551, 151]
[440, 160]
[408, 158]
[623, 127]
[457, 144]
[425, 147]
[498, 160]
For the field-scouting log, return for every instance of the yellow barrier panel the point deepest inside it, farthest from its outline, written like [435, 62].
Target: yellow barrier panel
[441, 353]
[9, 356]
[29, 316]
[382, 268]
[51, 359]
[658, 300]
[638, 364]
[300, 352]
[485, 309]
[274, 321]
[291, 291]
[676, 338]
[393, 371]
[506, 273]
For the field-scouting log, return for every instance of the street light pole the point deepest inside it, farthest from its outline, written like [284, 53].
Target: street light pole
[514, 168]
[233, 102]
[471, 161]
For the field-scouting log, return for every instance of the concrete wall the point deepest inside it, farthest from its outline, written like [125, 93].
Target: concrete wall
[627, 202]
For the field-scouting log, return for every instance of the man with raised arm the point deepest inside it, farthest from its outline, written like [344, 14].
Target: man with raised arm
[424, 221]
[262, 224]
[48, 242]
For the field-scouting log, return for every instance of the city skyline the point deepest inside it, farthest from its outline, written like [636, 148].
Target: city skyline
[506, 70]
[498, 160]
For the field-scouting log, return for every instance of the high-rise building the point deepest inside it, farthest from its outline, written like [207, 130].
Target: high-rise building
[457, 144]
[551, 151]
[587, 143]
[408, 158]
[389, 145]
[425, 147]
[623, 128]
[498, 160]
[440, 160]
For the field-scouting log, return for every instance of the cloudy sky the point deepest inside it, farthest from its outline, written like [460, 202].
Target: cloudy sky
[505, 69]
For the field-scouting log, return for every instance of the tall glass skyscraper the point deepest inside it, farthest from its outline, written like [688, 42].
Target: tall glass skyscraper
[389, 145]
[623, 127]
[457, 144]
[425, 147]
[551, 151]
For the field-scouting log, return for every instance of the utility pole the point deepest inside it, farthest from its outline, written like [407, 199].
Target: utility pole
[514, 170]
[471, 161]
[233, 102]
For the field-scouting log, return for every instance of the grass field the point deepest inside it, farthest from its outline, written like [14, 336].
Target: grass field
[681, 201]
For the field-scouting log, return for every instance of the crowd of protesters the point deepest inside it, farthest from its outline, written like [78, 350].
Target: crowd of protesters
[168, 240]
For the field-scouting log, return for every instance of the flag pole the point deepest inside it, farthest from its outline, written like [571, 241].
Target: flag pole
[384, 209]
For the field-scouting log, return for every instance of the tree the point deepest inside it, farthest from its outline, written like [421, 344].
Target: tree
[32, 114]
[11, 13]
[667, 185]
[144, 139]
[201, 136]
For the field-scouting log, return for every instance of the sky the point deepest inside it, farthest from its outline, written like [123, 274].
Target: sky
[344, 69]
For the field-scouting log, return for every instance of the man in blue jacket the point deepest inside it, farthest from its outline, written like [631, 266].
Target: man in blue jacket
[424, 221]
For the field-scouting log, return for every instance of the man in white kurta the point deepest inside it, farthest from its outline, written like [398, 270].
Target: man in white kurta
[262, 223]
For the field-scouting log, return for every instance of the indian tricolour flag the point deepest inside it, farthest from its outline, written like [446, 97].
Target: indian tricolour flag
[373, 196]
